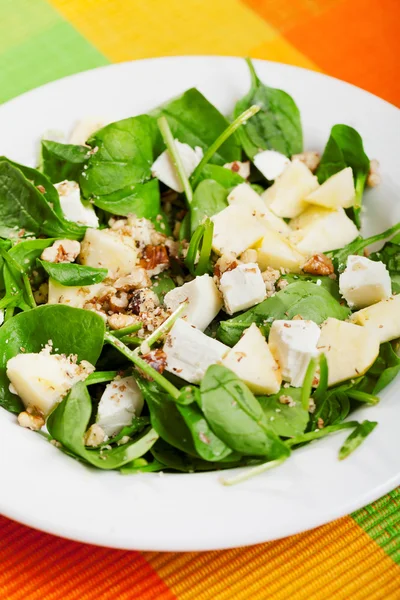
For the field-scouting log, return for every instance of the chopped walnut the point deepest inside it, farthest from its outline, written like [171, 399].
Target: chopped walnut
[120, 321]
[319, 264]
[270, 277]
[320, 423]
[143, 301]
[285, 399]
[31, 419]
[311, 405]
[374, 177]
[119, 302]
[94, 436]
[249, 256]
[310, 158]
[173, 248]
[155, 259]
[226, 262]
[282, 283]
[138, 278]
[62, 251]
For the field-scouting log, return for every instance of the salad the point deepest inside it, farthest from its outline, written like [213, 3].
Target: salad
[181, 291]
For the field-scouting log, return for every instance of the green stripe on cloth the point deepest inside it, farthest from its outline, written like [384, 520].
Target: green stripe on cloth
[37, 45]
[381, 520]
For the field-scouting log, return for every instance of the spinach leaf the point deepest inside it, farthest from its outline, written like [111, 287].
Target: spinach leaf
[118, 174]
[285, 420]
[72, 331]
[165, 417]
[310, 436]
[356, 438]
[345, 149]
[63, 161]
[236, 416]
[173, 459]
[209, 199]
[24, 207]
[68, 422]
[162, 284]
[339, 256]
[276, 126]
[385, 368]
[140, 199]
[301, 298]
[390, 256]
[331, 285]
[207, 444]
[195, 121]
[73, 274]
[225, 177]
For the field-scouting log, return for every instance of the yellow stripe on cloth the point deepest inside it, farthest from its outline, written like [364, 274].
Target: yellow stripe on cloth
[125, 30]
[338, 561]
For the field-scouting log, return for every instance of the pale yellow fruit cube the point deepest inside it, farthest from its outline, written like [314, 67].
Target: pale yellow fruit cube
[337, 191]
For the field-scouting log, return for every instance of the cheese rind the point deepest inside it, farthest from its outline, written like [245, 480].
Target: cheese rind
[349, 349]
[251, 360]
[242, 287]
[382, 318]
[294, 344]
[364, 282]
[190, 352]
[120, 402]
[286, 196]
[337, 191]
[204, 301]
[321, 229]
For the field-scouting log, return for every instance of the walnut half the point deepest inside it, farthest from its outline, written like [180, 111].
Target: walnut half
[319, 264]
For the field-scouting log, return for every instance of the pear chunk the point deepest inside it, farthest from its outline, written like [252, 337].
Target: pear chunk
[337, 191]
[276, 251]
[286, 196]
[382, 318]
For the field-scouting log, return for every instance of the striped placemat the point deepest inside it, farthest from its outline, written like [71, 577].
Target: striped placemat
[357, 557]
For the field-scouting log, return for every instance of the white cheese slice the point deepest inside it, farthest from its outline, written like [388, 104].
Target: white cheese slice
[364, 282]
[271, 163]
[286, 196]
[121, 401]
[252, 361]
[337, 191]
[190, 352]
[242, 287]
[110, 250]
[204, 301]
[164, 169]
[349, 349]
[72, 206]
[241, 168]
[383, 318]
[41, 380]
[236, 229]
[321, 229]
[244, 195]
[294, 344]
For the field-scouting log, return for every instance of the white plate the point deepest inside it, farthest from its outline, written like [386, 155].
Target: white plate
[43, 488]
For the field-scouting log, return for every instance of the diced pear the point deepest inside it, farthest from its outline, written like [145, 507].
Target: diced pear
[236, 229]
[110, 250]
[42, 380]
[244, 195]
[276, 251]
[321, 229]
[286, 196]
[75, 296]
[382, 318]
[337, 191]
[349, 349]
[252, 361]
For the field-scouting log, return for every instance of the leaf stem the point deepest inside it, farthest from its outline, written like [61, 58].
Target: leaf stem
[240, 120]
[249, 473]
[363, 397]
[163, 328]
[253, 74]
[175, 156]
[119, 333]
[142, 365]
[320, 433]
[307, 384]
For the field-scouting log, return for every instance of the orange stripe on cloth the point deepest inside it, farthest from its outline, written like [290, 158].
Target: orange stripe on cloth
[337, 561]
[37, 566]
[124, 30]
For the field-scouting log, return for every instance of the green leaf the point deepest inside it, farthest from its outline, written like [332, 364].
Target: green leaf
[68, 422]
[390, 256]
[140, 199]
[310, 436]
[356, 438]
[63, 161]
[302, 298]
[225, 177]
[72, 331]
[175, 460]
[209, 199]
[162, 284]
[195, 121]
[207, 444]
[236, 416]
[73, 274]
[285, 420]
[391, 367]
[277, 126]
[345, 149]
[331, 285]
[200, 249]
[24, 207]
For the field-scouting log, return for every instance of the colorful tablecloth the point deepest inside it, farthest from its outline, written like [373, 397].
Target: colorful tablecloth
[357, 557]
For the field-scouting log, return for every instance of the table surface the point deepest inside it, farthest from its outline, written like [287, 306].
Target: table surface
[356, 557]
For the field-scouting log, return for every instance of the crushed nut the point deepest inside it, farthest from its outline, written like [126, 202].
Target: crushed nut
[155, 259]
[94, 436]
[120, 321]
[311, 405]
[62, 251]
[138, 278]
[156, 359]
[320, 423]
[374, 177]
[319, 264]
[143, 301]
[119, 302]
[282, 283]
[284, 399]
[31, 419]
[249, 256]
[310, 158]
[226, 262]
